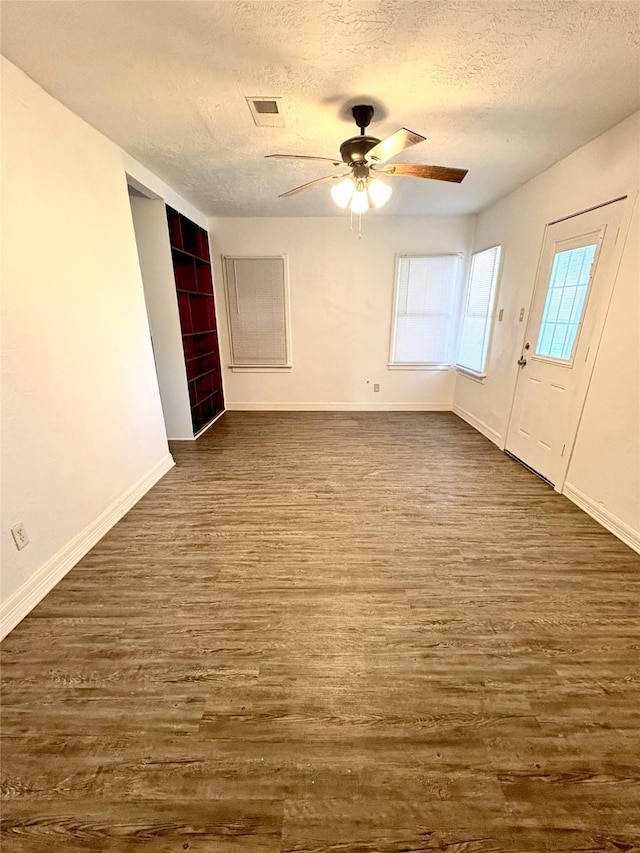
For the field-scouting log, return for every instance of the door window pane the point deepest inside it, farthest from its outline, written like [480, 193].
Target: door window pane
[566, 297]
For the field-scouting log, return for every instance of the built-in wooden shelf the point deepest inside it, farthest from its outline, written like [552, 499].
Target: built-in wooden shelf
[196, 305]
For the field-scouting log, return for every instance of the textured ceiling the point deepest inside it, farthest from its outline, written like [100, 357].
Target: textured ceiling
[502, 88]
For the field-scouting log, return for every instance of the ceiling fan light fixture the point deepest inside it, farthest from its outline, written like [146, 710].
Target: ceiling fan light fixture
[360, 194]
[342, 192]
[379, 192]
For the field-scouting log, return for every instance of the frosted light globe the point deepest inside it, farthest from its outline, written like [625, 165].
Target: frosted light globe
[360, 200]
[342, 192]
[379, 192]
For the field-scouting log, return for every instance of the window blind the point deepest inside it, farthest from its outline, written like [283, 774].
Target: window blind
[257, 305]
[423, 314]
[476, 320]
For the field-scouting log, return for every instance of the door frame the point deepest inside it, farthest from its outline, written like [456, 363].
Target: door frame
[601, 308]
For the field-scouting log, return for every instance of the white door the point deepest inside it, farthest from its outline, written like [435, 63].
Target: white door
[573, 287]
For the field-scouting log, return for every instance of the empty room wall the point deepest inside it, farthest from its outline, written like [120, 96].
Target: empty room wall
[604, 475]
[341, 303]
[605, 468]
[82, 428]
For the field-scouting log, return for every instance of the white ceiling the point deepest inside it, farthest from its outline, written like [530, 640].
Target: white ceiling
[502, 88]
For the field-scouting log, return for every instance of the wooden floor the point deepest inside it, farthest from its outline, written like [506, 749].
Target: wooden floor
[356, 633]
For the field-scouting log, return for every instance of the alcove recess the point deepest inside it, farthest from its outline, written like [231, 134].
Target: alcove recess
[194, 286]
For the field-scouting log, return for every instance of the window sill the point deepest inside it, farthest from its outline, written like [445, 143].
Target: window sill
[471, 374]
[418, 367]
[261, 368]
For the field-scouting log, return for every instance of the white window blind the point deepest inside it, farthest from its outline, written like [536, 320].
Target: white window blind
[423, 315]
[476, 320]
[257, 308]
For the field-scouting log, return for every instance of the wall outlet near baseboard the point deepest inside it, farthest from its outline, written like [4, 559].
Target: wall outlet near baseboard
[19, 533]
[376, 386]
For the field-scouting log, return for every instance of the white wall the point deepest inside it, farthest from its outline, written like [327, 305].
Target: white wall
[154, 251]
[605, 466]
[341, 302]
[82, 428]
[604, 474]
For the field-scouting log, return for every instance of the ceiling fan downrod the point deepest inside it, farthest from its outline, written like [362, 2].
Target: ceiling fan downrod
[353, 151]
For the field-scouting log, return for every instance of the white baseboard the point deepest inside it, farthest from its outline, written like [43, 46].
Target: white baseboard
[338, 407]
[627, 534]
[23, 600]
[489, 433]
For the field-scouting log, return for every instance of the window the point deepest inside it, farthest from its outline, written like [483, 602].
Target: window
[257, 297]
[564, 305]
[476, 319]
[423, 310]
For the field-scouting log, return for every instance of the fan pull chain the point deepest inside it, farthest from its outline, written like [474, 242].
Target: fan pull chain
[359, 223]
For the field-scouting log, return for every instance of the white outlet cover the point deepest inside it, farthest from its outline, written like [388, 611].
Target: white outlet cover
[20, 537]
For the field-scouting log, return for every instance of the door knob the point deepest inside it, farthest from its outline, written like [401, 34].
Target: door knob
[522, 361]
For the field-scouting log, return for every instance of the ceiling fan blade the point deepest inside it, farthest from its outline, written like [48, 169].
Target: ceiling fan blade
[393, 145]
[305, 157]
[414, 170]
[313, 184]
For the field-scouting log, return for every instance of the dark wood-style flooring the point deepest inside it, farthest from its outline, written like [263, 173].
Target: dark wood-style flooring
[356, 633]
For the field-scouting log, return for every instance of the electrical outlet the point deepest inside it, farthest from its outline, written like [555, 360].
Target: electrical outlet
[376, 386]
[521, 314]
[500, 315]
[19, 533]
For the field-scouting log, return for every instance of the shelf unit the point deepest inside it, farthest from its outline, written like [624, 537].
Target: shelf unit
[194, 286]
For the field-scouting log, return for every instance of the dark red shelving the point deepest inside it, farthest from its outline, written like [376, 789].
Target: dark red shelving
[194, 285]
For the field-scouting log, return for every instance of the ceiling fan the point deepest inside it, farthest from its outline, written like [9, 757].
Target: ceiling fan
[366, 156]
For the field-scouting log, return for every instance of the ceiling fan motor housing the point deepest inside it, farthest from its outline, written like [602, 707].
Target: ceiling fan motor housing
[354, 150]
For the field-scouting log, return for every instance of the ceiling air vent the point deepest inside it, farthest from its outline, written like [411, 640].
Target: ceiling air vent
[266, 112]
